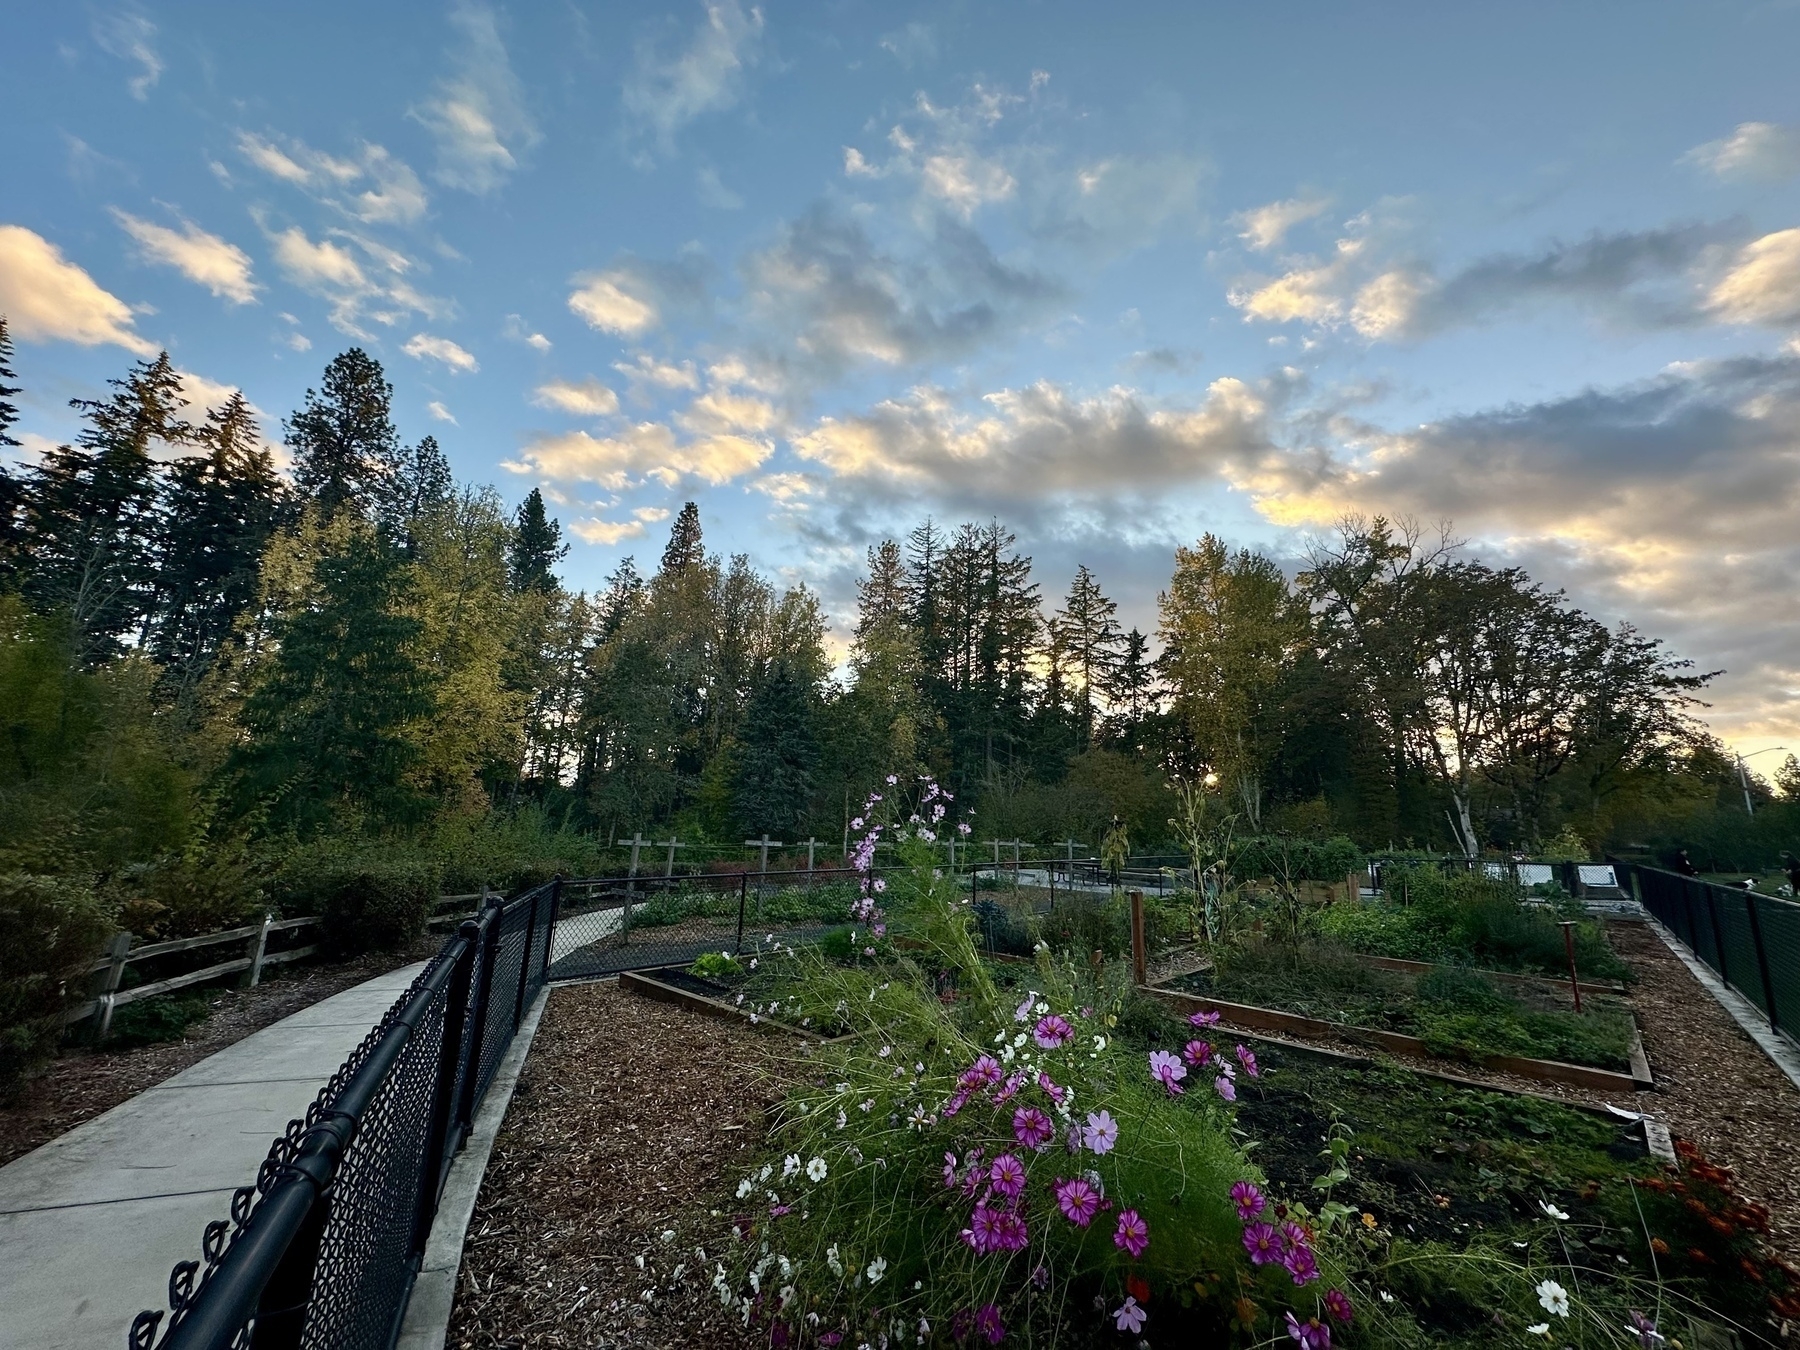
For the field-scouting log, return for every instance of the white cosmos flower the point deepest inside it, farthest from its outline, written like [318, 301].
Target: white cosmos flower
[1551, 1210]
[1539, 1329]
[1554, 1298]
[816, 1170]
[790, 1164]
[877, 1268]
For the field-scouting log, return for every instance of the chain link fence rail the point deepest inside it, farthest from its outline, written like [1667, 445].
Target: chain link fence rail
[323, 1249]
[1751, 941]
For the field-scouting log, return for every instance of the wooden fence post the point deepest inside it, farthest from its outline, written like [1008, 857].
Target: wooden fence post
[115, 972]
[1139, 960]
[258, 946]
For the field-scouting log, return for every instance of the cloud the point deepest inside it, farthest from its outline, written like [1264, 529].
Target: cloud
[1265, 226]
[663, 94]
[713, 192]
[1762, 285]
[223, 268]
[914, 45]
[1640, 278]
[646, 374]
[1756, 150]
[46, 298]
[332, 271]
[644, 450]
[422, 346]
[607, 532]
[588, 398]
[392, 193]
[519, 331]
[650, 514]
[966, 182]
[439, 413]
[478, 114]
[312, 265]
[128, 35]
[603, 301]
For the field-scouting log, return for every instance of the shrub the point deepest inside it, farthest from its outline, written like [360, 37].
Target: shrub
[1329, 860]
[153, 1020]
[185, 897]
[50, 930]
[370, 901]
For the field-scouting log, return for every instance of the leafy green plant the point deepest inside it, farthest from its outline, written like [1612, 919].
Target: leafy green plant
[51, 929]
[717, 966]
[150, 1021]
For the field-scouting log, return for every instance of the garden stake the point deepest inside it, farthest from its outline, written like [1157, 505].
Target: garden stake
[1568, 927]
[1138, 965]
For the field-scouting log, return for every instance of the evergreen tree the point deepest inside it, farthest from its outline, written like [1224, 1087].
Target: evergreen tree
[1088, 630]
[218, 514]
[777, 753]
[419, 486]
[9, 411]
[90, 517]
[345, 447]
[12, 490]
[328, 728]
[622, 599]
[685, 549]
[536, 547]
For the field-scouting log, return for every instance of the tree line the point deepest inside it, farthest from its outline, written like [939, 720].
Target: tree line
[201, 653]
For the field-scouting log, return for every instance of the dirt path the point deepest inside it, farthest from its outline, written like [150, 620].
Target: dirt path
[626, 1123]
[82, 1083]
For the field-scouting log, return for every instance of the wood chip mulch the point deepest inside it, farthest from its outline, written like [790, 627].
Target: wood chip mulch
[84, 1082]
[630, 1120]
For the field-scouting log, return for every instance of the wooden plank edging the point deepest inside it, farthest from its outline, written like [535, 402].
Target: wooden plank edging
[639, 983]
[1272, 1019]
[1406, 967]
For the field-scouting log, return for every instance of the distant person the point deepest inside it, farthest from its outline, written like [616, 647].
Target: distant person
[1684, 865]
[1791, 865]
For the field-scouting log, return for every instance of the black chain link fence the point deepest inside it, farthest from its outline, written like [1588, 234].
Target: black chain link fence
[1751, 941]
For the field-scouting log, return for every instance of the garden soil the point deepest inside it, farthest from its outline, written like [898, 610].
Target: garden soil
[84, 1082]
[627, 1123]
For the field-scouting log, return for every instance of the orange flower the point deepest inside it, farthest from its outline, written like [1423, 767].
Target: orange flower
[1658, 1246]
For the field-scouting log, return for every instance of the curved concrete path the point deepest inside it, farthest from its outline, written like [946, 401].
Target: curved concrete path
[91, 1222]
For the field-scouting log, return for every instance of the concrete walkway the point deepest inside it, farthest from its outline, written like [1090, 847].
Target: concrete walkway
[91, 1222]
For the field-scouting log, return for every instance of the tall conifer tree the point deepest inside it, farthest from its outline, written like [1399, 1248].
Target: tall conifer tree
[345, 447]
[537, 546]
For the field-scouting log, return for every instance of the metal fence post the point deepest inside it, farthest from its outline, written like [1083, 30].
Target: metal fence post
[743, 895]
[489, 926]
[1687, 906]
[439, 1143]
[1762, 958]
[525, 959]
[556, 890]
[1139, 958]
[1712, 909]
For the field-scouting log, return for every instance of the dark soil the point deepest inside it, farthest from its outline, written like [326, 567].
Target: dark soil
[84, 1082]
[628, 1119]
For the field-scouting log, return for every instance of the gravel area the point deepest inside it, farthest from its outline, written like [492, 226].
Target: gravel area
[628, 1121]
[84, 1082]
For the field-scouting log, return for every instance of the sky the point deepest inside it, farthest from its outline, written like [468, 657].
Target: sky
[1115, 275]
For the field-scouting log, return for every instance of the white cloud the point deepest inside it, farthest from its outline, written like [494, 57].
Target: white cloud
[299, 342]
[603, 301]
[312, 265]
[587, 398]
[333, 272]
[913, 45]
[966, 182]
[644, 450]
[647, 373]
[517, 329]
[1763, 283]
[128, 35]
[1265, 226]
[713, 192]
[1756, 150]
[663, 94]
[607, 532]
[223, 268]
[478, 114]
[392, 193]
[422, 346]
[650, 514]
[46, 298]
[439, 413]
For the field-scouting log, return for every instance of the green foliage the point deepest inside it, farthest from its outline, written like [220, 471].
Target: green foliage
[717, 966]
[1297, 859]
[509, 851]
[200, 891]
[372, 897]
[50, 930]
[150, 1021]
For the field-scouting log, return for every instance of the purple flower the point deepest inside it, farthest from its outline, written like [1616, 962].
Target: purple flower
[1049, 1086]
[1294, 1235]
[1248, 1060]
[1132, 1235]
[988, 1323]
[780, 1211]
[1008, 1175]
[980, 1232]
[1072, 1137]
[1023, 1011]
[1167, 1070]
[1078, 1201]
[1310, 1334]
[1010, 1090]
[1225, 1088]
[1203, 1019]
[1301, 1264]
[958, 1100]
[949, 1170]
[1102, 1132]
[1263, 1243]
[984, 1072]
[1249, 1201]
[1032, 1128]
[1130, 1317]
[1196, 1053]
[1052, 1031]
[1644, 1328]
[1009, 1232]
[1337, 1303]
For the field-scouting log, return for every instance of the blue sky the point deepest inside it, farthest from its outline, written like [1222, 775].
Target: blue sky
[1117, 276]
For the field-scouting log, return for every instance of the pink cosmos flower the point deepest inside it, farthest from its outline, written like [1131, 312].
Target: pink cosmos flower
[1248, 1060]
[1310, 1334]
[1078, 1201]
[1301, 1264]
[1197, 1053]
[1009, 1233]
[1010, 1089]
[1263, 1243]
[1102, 1132]
[1225, 1088]
[1203, 1019]
[1023, 1011]
[1337, 1303]
[980, 1233]
[1167, 1070]
[984, 1072]
[1052, 1031]
[1130, 1317]
[1049, 1086]
[1248, 1199]
[949, 1171]
[958, 1100]
[1294, 1235]
[988, 1323]
[1032, 1128]
[1007, 1175]
[1132, 1235]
